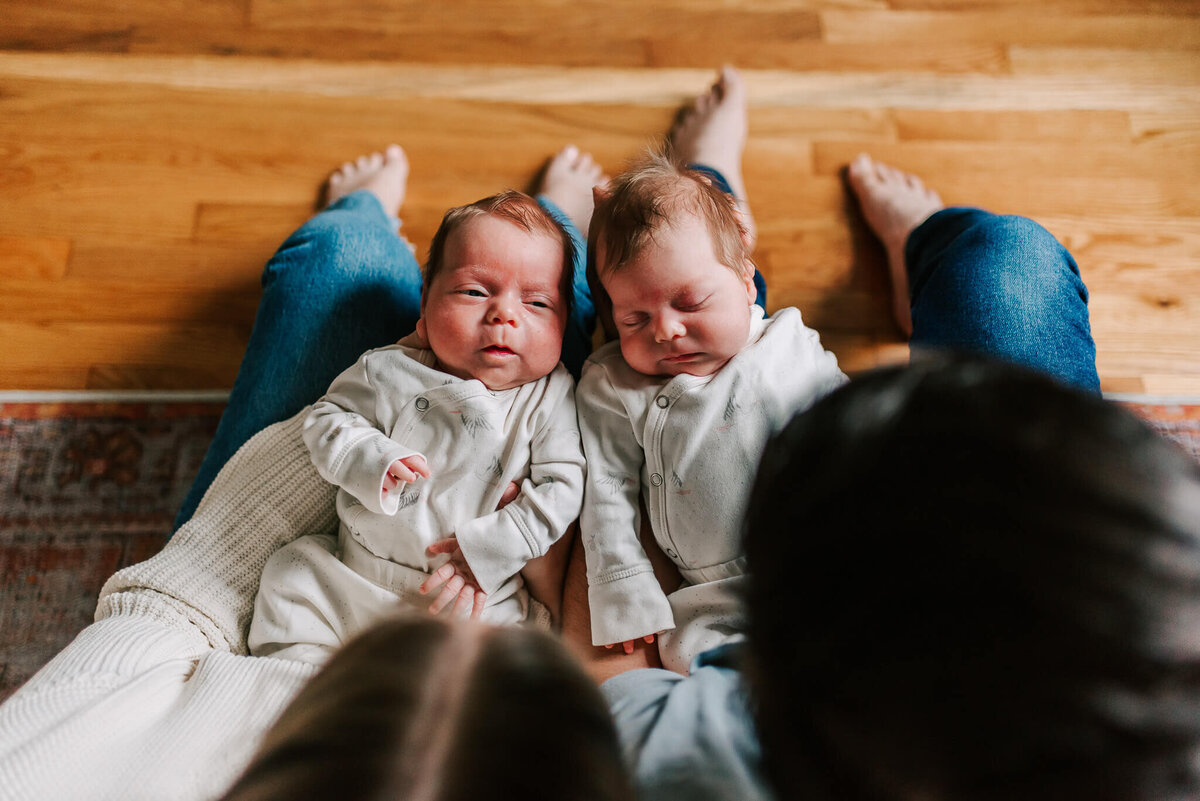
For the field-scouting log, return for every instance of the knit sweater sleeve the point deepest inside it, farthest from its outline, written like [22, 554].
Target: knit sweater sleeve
[206, 577]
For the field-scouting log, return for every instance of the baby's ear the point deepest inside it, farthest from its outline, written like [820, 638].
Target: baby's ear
[417, 339]
[747, 240]
[748, 270]
[600, 194]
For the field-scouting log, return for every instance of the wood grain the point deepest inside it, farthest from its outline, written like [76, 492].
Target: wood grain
[153, 153]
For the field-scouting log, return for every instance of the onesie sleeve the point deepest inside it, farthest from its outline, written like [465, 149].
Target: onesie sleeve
[498, 545]
[345, 437]
[625, 598]
[811, 368]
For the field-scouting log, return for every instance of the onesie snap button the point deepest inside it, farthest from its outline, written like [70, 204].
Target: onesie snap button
[663, 401]
[671, 553]
[422, 404]
[656, 479]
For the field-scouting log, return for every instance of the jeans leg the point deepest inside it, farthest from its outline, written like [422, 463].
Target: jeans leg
[577, 339]
[1003, 286]
[342, 284]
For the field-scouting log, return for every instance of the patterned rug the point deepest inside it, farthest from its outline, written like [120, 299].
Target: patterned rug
[87, 488]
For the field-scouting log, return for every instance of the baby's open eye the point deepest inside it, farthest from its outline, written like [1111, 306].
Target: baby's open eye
[473, 293]
[541, 304]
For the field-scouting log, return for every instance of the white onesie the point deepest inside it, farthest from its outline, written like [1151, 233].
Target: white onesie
[690, 446]
[393, 403]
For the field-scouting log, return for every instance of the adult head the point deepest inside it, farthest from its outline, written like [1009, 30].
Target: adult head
[969, 581]
[422, 708]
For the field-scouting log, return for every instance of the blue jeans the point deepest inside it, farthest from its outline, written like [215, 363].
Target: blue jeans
[340, 285]
[1001, 286]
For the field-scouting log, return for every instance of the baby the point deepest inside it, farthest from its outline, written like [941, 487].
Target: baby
[676, 413]
[424, 443]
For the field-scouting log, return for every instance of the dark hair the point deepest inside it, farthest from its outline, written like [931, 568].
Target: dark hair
[418, 708]
[970, 581]
[652, 192]
[517, 208]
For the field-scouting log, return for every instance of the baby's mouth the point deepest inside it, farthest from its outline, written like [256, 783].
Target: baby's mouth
[498, 349]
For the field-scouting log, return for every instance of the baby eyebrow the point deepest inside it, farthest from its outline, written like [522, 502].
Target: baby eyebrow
[687, 297]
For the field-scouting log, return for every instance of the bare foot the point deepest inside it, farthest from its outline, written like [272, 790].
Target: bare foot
[385, 175]
[712, 131]
[894, 204]
[568, 181]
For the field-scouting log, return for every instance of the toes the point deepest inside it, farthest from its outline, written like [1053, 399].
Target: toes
[393, 153]
[860, 166]
[863, 170]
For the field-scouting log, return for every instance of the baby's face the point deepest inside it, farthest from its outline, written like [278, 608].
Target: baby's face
[495, 311]
[676, 308]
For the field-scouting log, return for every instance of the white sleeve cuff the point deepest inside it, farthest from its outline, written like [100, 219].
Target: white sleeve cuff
[628, 608]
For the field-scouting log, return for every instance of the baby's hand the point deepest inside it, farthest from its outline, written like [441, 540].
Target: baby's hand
[456, 582]
[404, 471]
[628, 644]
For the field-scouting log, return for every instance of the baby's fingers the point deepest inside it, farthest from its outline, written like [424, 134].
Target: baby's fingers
[448, 594]
[418, 466]
[399, 472]
[510, 494]
[437, 578]
[448, 545]
[464, 605]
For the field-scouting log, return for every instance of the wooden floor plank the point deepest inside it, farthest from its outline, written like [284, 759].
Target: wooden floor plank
[25, 257]
[1024, 26]
[100, 15]
[384, 83]
[81, 344]
[1017, 126]
[63, 302]
[1154, 67]
[1061, 7]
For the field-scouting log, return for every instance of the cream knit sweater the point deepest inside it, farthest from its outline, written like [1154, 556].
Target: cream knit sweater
[157, 699]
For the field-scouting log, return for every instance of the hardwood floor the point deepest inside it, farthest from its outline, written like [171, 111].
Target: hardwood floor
[154, 152]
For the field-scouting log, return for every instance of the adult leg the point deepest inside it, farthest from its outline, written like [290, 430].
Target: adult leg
[340, 285]
[971, 280]
[566, 194]
[1001, 285]
[709, 136]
